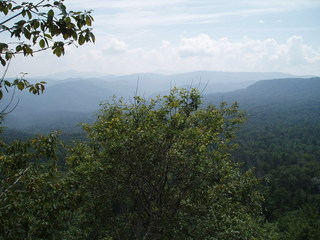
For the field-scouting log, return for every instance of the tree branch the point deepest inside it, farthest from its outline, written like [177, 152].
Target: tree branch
[18, 14]
[15, 182]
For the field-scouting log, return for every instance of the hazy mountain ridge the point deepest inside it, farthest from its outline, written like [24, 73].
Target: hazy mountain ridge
[75, 100]
[275, 91]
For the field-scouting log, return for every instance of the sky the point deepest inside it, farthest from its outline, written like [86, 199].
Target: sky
[174, 36]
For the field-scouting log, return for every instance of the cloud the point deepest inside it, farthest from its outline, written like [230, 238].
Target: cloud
[114, 46]
[201, 45]
[201, 52]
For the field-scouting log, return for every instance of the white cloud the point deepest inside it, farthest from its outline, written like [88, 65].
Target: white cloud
[201, 52]
[206, 53]
[114, 46]
[202, 45]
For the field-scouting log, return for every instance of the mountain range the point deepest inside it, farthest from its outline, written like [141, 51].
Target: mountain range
[66, 103]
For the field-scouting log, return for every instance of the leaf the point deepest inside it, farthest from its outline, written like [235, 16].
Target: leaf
[48, 36]
[36, 24]
[88, 21]
[1, 94]
[29, 14]
[7, 83]
[51, 13]
[8, 55]
[3, 46]
[81, 40]
[93, 38]
[27, 34]
[57, 51]
[18, 48]
[20, 86]
[42, 43]
[68, 20]
[3, 62]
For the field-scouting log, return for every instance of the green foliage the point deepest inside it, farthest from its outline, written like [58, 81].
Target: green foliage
[161, 169]
[301, 224]
[32, 205]
[292, 187]
[39, 24]
[35, 27]
[282, 143]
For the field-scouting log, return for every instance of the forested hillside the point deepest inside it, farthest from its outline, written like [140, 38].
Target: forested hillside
[280, 140]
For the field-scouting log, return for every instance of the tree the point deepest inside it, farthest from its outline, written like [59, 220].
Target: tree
[35, 27]
[161, 169]
[32, 202]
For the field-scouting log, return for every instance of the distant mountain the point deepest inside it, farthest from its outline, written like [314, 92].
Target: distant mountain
[79, 98]
[272, 92]
[71, 74]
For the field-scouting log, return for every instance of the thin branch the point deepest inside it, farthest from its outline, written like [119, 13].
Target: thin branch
[9, 19]
[5, 73]
[204, 88]
[137, 87]
[15, 106]
[15, 182]
[18, 14]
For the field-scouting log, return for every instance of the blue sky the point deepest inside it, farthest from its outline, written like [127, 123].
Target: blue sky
[172, 36]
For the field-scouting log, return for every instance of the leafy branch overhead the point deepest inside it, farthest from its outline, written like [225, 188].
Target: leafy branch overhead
[34, 27]
[41, 26]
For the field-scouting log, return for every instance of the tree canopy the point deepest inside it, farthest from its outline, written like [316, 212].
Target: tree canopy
[161, 169]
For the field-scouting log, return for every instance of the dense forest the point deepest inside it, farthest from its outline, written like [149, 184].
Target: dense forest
[280, 140]
[113, 183]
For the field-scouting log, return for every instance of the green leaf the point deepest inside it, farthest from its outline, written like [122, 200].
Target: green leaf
[7, 83]
[20, 86]
[18, 48]
[57, 51]
[93, 38]
[27, 34]
[42, 43]
[1, 94]
[29, 14]
[8, 55]
[3, 62]
[74, 35]
[36, 24]
[67, 20]
[51, 13]
[5, 10]
[48, 36]
[88, 21]
[3, 46]
[81, 40]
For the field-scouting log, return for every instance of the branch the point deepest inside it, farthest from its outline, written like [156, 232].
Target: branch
[9, 19]
[15, 182]
[15, 106]
[5, 73]
[18, 14]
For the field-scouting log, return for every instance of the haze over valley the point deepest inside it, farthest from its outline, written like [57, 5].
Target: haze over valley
[66, 103]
